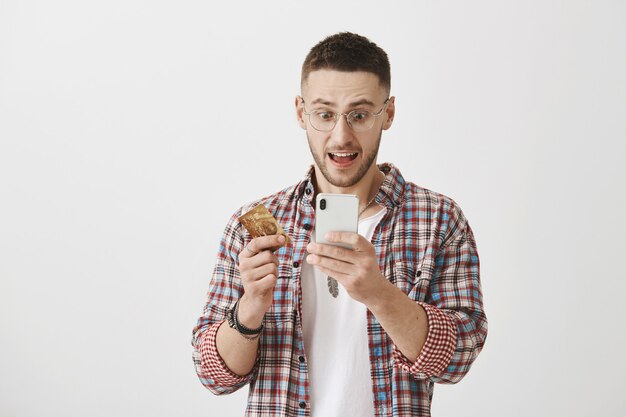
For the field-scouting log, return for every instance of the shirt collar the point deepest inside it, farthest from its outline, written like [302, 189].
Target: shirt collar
[390, 193]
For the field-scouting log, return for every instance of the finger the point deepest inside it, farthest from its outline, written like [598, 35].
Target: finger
[330, 251]
[331, 264]
[260, 272]
[355, 240]
[268, 282]
[262, 258]
[340, 277]
[261, 243]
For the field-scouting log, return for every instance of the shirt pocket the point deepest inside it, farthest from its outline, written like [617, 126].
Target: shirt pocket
[412, 278]
[282, 308]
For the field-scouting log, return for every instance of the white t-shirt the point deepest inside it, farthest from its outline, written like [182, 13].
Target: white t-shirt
[336, 343]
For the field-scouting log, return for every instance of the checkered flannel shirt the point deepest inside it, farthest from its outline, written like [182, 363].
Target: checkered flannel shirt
[425, 247]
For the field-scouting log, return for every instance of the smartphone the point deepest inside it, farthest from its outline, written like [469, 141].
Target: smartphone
[336, 213]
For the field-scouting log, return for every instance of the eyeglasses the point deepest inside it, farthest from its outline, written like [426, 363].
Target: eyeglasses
[358, 120]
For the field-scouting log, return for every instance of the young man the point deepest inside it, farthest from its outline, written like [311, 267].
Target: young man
[408, 308]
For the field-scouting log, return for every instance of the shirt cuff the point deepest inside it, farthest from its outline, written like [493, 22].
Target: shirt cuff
[438, 348]
[213, 362]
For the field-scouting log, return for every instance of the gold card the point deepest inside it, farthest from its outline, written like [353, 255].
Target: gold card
[260, 222]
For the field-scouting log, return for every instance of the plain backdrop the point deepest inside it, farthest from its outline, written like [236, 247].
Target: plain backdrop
[131, 130]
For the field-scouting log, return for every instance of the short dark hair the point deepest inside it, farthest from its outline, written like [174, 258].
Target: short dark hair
[348, 52]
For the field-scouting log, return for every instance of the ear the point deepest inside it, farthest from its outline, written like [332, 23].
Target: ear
[390, 111]
[299, 112]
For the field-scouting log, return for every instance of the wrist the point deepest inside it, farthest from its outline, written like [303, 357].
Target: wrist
[248, 314]
[386, 297]
[232, 316]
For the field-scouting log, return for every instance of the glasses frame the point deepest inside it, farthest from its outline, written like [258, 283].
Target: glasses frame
[337, 116]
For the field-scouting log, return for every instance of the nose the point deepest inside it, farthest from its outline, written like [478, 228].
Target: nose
[342, 133]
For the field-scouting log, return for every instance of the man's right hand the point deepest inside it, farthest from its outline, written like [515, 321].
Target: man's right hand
[258, 268]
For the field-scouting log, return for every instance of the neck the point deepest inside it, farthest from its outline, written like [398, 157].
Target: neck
[365, 189]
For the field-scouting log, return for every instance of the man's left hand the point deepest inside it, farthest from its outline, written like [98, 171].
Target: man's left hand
[356, 269]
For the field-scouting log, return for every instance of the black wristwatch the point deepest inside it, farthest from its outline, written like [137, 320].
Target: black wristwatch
[233, 322]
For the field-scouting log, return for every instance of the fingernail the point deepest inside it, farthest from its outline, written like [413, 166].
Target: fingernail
[281, 239]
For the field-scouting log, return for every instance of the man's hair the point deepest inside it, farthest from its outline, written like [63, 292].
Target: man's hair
[348, 52]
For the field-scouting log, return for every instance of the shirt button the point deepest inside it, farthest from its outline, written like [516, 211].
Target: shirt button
[301, 359]
[302, 404]
[307, 191]
[419, 273]
[296, 264]
[306, 226]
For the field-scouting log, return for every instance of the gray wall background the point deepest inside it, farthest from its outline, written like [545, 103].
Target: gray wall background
[131, 130]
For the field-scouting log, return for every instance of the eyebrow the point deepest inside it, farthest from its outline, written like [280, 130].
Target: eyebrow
[353, 104]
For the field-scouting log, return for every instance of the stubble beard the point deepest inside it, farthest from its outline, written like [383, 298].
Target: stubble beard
[368, 160]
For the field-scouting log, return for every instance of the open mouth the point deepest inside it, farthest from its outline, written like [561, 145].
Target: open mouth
[343, 157]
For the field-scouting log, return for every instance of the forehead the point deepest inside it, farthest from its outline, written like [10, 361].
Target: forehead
[340, 86]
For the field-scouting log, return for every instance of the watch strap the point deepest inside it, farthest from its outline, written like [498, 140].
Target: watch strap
[233, 322]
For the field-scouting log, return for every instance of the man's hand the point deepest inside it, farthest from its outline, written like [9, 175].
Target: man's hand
[258, 268]
[356, 269]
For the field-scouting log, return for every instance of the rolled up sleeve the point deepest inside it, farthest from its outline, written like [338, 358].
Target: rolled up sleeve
[438, 347]
[210, 367]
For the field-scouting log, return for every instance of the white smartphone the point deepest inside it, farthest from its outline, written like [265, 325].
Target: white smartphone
[336, 213]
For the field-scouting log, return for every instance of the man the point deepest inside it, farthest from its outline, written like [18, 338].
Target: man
[408, 310]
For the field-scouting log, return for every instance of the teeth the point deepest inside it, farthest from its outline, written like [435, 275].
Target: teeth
[343, 154]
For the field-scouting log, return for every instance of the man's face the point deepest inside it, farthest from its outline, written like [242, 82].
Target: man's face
[342, 155]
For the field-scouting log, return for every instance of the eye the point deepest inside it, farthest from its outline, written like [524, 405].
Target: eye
[325, 115]
[359, 116]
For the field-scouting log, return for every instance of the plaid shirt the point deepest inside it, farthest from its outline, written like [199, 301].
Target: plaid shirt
[425, 247]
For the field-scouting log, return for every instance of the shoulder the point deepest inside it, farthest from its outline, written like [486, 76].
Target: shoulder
[442, 212]
[416, 195]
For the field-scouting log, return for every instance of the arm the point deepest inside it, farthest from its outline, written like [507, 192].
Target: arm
[437, 339]
[259, 274]
[224, 359]
[453, 303]
[455, 292]
[224, 290]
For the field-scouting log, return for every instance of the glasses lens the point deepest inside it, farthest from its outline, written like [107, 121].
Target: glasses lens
[360, 120]
[322, 120]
